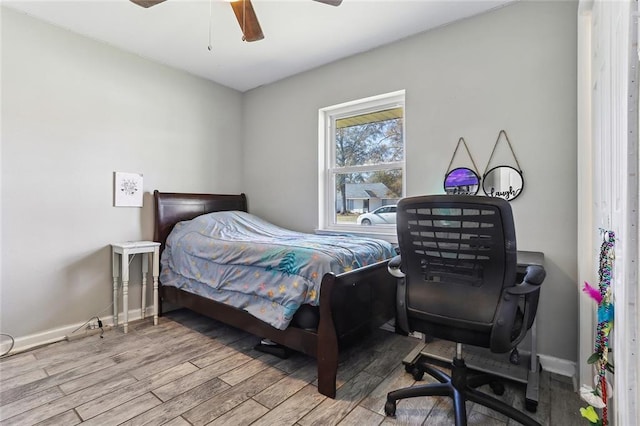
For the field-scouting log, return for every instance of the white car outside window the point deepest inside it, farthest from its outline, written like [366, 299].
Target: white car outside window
[380, 216]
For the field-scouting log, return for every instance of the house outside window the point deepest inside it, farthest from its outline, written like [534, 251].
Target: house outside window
[362, 164]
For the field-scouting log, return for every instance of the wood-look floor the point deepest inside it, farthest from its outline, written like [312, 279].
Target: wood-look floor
[190, 370]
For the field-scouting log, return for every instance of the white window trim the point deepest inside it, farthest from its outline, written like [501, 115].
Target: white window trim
[326, 154]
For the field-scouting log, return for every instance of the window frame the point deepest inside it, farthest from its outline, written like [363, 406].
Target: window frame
[327, 118]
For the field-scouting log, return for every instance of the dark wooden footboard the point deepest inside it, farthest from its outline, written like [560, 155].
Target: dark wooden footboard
[351, 304]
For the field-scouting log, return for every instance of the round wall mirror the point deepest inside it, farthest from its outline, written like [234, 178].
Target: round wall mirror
[504, 182]
[462, 181]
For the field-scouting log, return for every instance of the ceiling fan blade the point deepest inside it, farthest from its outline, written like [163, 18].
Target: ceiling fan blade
[331, 2]
[248, 20]
[146, 3]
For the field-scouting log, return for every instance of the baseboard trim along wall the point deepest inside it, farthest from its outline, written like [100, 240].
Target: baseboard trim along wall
[551, 364]
[32, 341]
[559, 366]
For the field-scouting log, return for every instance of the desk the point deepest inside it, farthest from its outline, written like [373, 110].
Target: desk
[120, 262]
[482, 359]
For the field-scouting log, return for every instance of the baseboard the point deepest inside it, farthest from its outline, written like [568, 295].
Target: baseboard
[31, 341]
[82, 333]
[24, 343]
[559, 366]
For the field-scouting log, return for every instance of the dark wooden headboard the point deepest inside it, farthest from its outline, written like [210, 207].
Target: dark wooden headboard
[171, 208]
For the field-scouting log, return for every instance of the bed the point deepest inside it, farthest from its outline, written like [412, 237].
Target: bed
[350, 303]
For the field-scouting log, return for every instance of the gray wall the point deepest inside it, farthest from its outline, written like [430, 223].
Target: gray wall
[73, 112]
[513, 68]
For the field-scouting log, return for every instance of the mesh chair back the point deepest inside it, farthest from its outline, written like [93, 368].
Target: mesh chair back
[458, 253]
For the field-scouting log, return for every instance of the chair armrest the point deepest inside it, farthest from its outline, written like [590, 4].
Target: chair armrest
[530, 289]
[534, 276]
[394, 267]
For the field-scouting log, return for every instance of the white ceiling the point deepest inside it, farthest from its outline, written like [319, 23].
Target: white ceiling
[299, 34]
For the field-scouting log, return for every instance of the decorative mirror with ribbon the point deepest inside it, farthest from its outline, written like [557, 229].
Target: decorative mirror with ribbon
[462, 180]
[503, 181]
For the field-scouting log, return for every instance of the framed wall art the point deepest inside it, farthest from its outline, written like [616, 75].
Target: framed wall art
[127, 190]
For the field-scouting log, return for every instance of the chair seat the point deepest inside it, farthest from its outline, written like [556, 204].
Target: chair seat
[476, 337]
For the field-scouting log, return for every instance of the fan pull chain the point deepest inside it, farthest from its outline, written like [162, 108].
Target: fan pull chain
[209, 47]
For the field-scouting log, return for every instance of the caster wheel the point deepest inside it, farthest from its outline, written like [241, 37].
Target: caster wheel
[408, 368]
[530, 405]
[417, 374]
[390, 408]
[497, 387]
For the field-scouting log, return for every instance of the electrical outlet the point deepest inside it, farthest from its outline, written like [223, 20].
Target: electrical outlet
[87, 332]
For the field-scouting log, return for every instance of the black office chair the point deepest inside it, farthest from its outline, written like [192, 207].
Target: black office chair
[457, 281]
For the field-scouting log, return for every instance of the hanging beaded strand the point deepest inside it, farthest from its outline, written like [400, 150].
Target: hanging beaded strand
[604, 315]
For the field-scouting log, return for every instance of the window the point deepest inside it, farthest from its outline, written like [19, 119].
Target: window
[362, 164]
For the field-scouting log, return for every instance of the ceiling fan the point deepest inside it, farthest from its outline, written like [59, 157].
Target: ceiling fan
[245, 14]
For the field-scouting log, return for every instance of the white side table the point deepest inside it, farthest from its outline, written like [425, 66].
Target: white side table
[120, 261]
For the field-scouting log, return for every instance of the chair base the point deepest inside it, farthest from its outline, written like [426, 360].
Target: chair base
[460, 388]
[482, 360]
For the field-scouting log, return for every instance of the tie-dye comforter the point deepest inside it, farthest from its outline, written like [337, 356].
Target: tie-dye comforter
[239, 259]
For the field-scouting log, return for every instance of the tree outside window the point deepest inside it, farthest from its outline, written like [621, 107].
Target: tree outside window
[365, 151]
